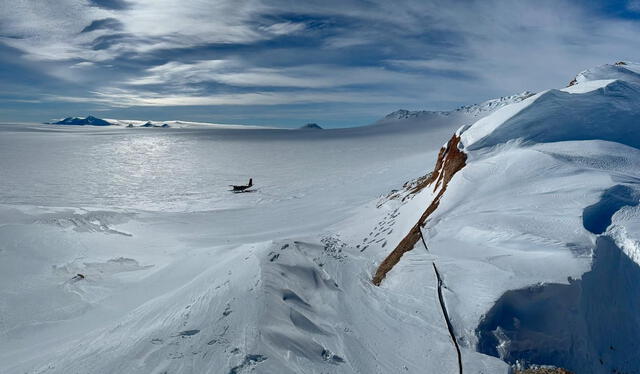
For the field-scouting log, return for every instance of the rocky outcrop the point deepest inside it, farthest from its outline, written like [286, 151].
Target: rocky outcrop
[543, 370]
[450, 160]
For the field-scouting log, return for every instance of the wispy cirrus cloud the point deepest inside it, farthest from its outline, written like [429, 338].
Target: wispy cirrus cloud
[103, 24]
[130, 98]
[234, 72]
[426, 54]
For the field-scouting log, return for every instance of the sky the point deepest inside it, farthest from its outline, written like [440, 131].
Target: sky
[337, 63]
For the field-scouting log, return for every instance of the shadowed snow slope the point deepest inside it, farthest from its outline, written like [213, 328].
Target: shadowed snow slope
[134, 257]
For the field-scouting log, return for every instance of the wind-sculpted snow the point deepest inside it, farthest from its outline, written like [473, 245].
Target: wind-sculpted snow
[605, 113]
[627, 71]
[517, 213]
[625, 229]
[590, 325]
[597, 217]
[543, 177]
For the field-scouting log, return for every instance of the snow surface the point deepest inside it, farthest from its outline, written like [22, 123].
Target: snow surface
[623, 70]
[181, 276]
[521, 212]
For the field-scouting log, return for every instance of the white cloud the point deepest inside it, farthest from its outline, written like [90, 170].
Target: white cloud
[284, 28]
[234, 72]
[124, 98]
[83, 64]
[507, 46]
[52, 30]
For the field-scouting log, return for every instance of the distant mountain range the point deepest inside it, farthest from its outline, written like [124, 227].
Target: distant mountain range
[78, 121]
[474, 109]
[469, 112]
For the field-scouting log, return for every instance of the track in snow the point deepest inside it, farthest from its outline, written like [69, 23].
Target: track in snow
[422, 237]
[446, 318]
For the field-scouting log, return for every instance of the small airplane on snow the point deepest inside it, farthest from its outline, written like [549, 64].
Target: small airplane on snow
[242, 188]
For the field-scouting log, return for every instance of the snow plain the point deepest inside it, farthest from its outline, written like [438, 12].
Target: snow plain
[166, 250]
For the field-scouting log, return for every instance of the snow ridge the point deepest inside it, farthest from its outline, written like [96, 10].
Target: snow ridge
[474, 110]
[526, 195]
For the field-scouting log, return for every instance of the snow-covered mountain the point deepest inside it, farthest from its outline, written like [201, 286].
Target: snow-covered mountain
[78, 121]
[475, 110]
[463, 115]
[178, 124]
[311, 126]
[535, 206]
[94, 121]
[516, 243]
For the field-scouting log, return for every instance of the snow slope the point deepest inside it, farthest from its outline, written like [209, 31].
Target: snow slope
[531, 211]
[179, 276]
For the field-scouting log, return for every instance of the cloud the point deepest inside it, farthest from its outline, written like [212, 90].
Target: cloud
[103, 24]
[128, 98]
[83, 64]
[110, 4]
[234, 72]
[54, 30]
[432, 54]
[283, 28]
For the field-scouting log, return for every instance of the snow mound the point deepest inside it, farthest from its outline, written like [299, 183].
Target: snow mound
[628, 71]
[534, 229]
[606, 112]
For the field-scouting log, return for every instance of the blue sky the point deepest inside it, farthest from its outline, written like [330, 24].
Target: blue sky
[286, 62]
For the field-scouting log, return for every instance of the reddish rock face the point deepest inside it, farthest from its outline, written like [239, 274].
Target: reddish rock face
[450, 161]
[544, 371]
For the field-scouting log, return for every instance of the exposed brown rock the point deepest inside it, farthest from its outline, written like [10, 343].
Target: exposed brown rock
[416, 186]
[454, 160]
[407, 192]
[543, 371]
[450, 161]
[431, 177]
